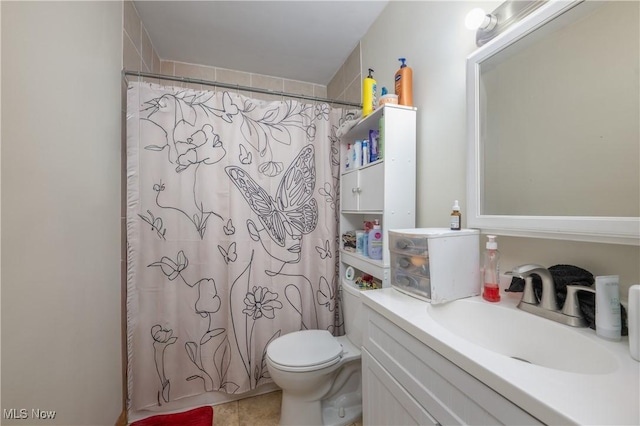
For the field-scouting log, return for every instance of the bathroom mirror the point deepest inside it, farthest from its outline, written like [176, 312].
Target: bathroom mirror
[554, 125]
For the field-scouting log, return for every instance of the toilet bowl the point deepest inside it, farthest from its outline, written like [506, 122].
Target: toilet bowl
[320, 375]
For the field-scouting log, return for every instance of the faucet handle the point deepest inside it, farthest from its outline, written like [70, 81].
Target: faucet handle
[571, 304]
[548, 297]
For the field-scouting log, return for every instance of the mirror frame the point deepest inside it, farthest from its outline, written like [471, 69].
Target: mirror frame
[614, 230]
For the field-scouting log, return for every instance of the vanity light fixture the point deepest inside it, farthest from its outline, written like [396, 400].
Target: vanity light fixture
[478, 19]
[489, 25]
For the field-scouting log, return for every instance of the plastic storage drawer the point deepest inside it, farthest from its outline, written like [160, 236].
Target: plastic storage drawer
[412, 264]
[408, 244]
[436, 264]
[414, 285]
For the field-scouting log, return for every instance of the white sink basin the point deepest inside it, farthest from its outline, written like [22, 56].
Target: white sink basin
[522, 336]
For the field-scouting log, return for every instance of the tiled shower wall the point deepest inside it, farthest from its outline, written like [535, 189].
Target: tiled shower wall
[346, 85]
[138, 54]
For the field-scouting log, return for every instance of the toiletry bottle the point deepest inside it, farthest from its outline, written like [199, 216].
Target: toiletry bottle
[360, 242]
[348, 157]
[375, 241]
[404, 84]
[383, 93]
[491, 271]
[368, 94]
[633, 318]
[365, 243]
[368, 226]
[374, 135]
[608, 321]
[357, 154]
[456, 217]
[365, 152]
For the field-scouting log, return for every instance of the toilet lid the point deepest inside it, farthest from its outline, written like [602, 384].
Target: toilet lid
[305, 349]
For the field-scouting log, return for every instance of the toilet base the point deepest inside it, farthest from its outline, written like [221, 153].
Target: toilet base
[346, 410]
[342, 404]
[340, 412]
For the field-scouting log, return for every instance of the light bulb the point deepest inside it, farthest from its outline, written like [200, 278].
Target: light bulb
[477, 18]
[474, 18]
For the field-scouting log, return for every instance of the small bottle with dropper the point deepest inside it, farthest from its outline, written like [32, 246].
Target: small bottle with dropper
[491, 271]
[456, 217]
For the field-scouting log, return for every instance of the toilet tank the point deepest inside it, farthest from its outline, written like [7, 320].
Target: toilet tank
[352, 313]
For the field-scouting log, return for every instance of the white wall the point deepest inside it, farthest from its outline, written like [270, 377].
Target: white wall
[433, 38]
[61, 346]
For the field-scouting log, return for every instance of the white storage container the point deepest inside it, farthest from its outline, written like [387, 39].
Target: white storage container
[435, 264]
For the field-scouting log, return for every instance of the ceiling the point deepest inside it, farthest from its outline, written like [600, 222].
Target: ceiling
[299, 40]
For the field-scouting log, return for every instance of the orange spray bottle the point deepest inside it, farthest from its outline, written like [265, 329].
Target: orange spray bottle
[404, 84]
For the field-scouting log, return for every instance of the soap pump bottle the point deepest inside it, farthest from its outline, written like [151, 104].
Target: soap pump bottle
[374, 241]
[491, 271]
[456, 217]
[368, 94]
[404, 84]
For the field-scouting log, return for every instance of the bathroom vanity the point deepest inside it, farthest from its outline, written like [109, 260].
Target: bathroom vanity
[420, 367]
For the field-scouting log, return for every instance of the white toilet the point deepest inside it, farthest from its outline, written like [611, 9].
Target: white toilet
[320, 375]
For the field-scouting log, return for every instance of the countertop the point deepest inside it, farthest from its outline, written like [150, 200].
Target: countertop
[552, 396]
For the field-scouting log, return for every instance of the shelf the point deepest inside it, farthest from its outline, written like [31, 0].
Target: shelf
[367, 259]
[383, 189]
[373, 163]
[362, 212]
[352, 283]
[361, 130]
[363, 263]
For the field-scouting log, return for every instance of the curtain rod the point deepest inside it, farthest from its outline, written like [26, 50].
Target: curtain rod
[235, 87]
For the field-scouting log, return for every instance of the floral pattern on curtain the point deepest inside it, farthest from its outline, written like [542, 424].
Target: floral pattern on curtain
[231, 236]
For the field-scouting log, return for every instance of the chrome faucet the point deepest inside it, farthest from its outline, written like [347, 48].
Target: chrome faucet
[547, 305]
[548, 299]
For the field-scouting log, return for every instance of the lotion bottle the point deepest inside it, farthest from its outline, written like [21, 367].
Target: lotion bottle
[491, 271]
[404, 84]
[608, 321]
[375, 241]
[368, 94]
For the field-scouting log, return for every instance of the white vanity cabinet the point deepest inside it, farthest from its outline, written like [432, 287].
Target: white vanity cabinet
[384, 189]
[406, 382]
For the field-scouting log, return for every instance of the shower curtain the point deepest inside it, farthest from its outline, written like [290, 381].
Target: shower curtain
[231, 236]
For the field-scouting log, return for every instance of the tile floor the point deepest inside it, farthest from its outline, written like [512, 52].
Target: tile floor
[261, 410]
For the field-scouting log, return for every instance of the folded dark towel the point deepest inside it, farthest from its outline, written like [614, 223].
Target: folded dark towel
[564, 275]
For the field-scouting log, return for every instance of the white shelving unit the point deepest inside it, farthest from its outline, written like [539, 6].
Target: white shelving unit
[384, 190]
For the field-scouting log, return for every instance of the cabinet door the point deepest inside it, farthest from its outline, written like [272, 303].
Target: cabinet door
[385, 402]
[349, 191]
[371, 184]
